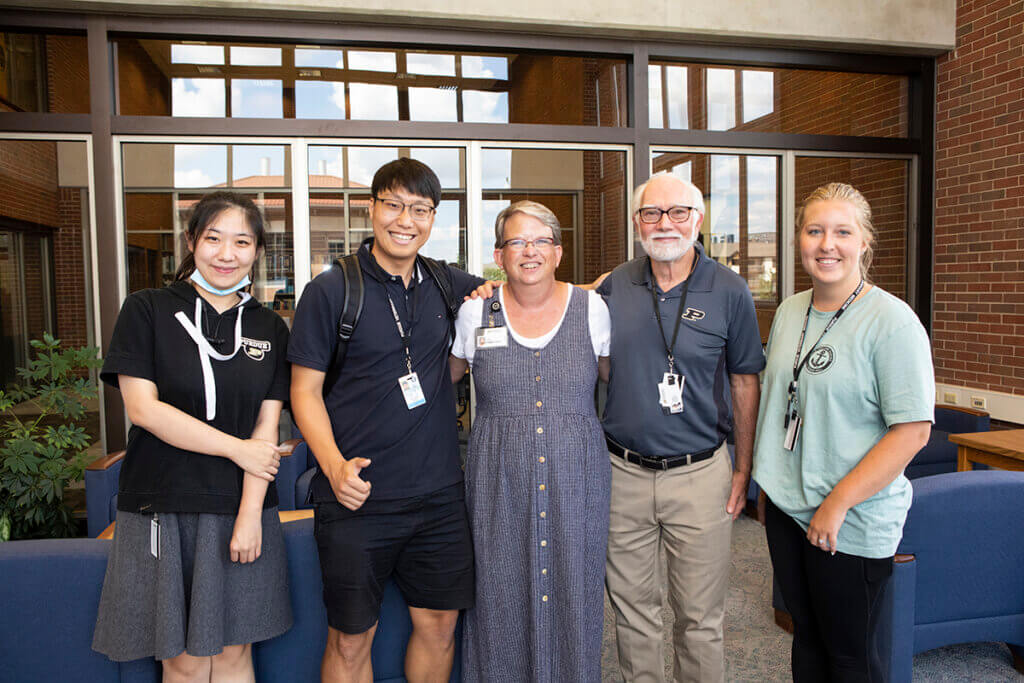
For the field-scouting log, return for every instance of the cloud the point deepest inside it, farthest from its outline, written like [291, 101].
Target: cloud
[197, 54]
[371, 61]
[198, 97]
[255, 56]
[370, 102]
[430, 65]
[485, 67]
[484, 107]
[193, 177]
[432, 104]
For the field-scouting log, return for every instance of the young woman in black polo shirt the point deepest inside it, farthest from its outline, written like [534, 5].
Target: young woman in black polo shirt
[198, 570]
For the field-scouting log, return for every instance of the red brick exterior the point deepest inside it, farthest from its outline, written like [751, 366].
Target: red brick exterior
[978, 322]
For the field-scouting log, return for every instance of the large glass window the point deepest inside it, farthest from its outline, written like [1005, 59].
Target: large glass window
[44, 73]
[741, 223]
[207, 78]
[163, 182]
[339, 200]
[705, 97]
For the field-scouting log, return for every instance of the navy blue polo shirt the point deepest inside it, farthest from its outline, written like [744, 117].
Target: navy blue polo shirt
[718, 336]
[414, 452]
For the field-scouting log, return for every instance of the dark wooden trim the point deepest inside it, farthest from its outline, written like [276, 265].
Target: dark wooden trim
[42, 122]
[518, 132]
[20, 21]
[783, 141]
[106, 461]
[637, 86]
[922, 101]
[288, 447]
[782, 58]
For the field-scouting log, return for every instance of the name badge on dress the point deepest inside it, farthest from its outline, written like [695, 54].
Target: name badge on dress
[411, 390]
[670, 393]
[491, 337]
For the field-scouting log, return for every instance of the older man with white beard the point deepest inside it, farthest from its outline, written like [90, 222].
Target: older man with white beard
[685, 353]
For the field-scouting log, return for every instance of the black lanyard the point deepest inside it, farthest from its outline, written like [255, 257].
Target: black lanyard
[798, 365]
[405, 334]
[679, 313]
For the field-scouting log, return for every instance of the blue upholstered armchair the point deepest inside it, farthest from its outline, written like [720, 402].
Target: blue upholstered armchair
[102, 474]
[958, 573]
[939, 455]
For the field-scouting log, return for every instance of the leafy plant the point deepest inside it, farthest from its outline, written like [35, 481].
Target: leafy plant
[44, 451]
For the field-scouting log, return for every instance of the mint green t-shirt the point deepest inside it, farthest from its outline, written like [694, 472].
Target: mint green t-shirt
[873, 369]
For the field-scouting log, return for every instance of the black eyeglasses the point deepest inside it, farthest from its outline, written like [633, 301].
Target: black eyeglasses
[518, 244]
[393, 208]
[676, 214]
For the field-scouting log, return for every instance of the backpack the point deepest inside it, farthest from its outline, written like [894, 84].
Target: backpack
[352, 307]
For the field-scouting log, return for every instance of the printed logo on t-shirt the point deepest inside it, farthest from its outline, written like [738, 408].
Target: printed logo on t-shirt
[821, 359]
[693, 314]
[255, 348]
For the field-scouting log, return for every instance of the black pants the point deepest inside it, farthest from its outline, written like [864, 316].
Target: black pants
[834, 602]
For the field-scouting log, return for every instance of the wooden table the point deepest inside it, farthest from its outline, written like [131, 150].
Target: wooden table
[1003, 449]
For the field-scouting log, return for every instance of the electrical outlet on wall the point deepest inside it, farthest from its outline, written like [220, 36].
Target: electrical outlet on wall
[979, 402]
[949, 397]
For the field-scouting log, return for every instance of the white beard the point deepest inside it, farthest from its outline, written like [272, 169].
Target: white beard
[663, 251]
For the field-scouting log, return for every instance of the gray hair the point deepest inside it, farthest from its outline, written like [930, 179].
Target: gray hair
[638, 193]
[533, 209]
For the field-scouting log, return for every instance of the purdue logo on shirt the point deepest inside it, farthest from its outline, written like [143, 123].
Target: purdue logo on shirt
[693, 314]
[255, 348]
[821, 359]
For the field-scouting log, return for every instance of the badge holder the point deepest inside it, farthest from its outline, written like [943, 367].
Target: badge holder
[793, 420]
[492, 337]
[670, 393]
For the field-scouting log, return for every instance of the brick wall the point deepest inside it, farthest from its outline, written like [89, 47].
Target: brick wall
[28, 191]
[67, 74]
[69, 268]
[142, 87]
[978, 321]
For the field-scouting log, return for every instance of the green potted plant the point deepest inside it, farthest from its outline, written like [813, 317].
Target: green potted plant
[43, 450]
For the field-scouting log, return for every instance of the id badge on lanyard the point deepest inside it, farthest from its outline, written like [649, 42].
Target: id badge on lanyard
[670, 388]
[793, 421]
[409, 384]
[493, 336]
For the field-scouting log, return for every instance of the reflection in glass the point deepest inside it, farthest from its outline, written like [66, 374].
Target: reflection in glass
[371, 61]
[430, 65]
[363, 163]
[255, 56]
[676, 97]
[256, 99]
[258, 166]
[655, 116]
[485, 67]
[484, 107]
[721, 97]
[758, 94]
[198, 97]
[196, 166]
[372, 102]
[445, 242]
[723, 205]
[433, 104]
[446, 162]
[497, 168]
[197, 54]
[319, 100]
[327, 59]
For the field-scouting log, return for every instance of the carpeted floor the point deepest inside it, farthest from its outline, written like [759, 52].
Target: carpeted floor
[756, 650]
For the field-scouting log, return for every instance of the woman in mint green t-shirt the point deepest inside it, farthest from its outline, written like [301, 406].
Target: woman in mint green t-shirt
[847, 402]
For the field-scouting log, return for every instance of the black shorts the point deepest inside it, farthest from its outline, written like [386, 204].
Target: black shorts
[423, 542]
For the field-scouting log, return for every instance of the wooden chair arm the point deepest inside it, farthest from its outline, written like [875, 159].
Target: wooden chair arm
[288, 447]
[903, 559]
[106, 461]
[962, 409]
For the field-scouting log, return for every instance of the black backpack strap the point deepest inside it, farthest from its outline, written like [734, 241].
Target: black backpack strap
[351, 309]
[442, 277]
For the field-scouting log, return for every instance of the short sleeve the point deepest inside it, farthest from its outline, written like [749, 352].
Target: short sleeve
[906, 379]
[600, 324]
[465, 324]
[313, 339]
[131, 350]
[463, 283]
[744, 353]
[282, 372]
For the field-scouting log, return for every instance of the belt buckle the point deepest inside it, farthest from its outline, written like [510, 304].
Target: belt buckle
[664, 464]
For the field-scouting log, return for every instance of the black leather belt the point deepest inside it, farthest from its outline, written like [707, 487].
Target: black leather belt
[659, 462]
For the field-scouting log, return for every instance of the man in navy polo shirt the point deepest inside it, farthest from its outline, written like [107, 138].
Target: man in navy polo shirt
[388, 493]
[685, 354]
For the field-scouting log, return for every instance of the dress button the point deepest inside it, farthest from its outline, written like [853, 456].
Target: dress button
[536, 354]
[545, 598]
[543, 544]
[540, 430]
[540, 403]
[541, 487]
[537, 378]
[541, 459]
[543, 514]
[544, 572]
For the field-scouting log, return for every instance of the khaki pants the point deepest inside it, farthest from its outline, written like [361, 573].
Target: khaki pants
[682, 510]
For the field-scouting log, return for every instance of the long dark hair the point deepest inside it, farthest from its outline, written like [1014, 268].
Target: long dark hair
[206, 212]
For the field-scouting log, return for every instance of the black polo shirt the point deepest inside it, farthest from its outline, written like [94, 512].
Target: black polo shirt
[718, 336]
[414, 452]
[149, 343]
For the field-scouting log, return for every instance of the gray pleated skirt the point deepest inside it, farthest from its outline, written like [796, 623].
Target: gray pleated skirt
[192, 598]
